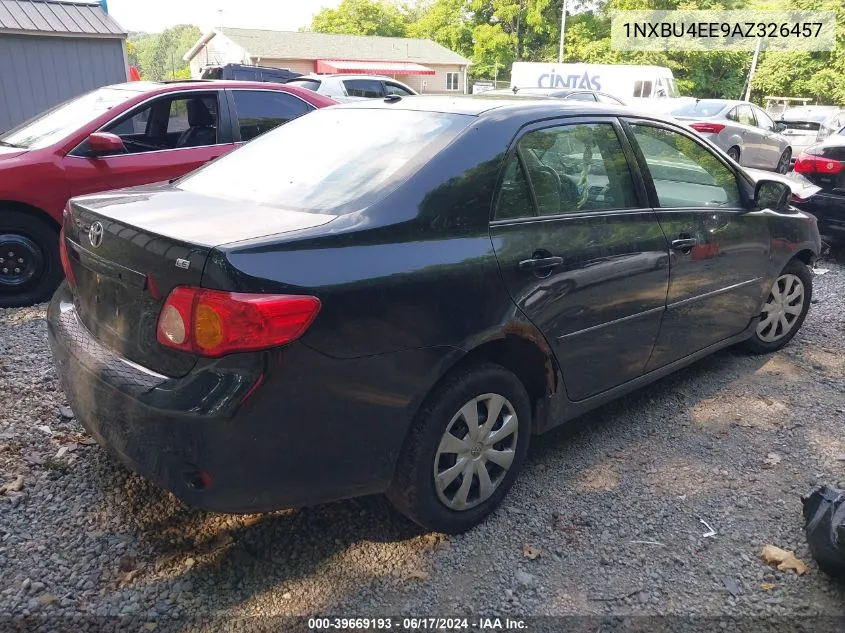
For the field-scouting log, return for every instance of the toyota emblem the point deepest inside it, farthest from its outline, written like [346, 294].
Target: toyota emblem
[95, 234]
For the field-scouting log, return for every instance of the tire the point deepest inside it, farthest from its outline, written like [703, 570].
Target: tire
[413, 491]
[783, 162]
[34, 246]
[733, 152]
[766, 340]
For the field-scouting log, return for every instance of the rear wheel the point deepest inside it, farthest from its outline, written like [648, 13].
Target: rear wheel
[783, 162]
[464, 453]
[30, 269]
[785, 309]
[733, 152]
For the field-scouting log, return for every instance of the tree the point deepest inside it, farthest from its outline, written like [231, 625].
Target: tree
[362, 17]
[158, 56]
[447, 22]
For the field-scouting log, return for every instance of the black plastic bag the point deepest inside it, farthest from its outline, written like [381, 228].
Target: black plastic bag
[824, 524]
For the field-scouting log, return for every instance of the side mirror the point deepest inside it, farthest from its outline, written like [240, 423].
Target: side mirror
[779, 127]
[772, 194]
[104, 143]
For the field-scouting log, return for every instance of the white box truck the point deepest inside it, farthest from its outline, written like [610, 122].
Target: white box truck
[626, 81]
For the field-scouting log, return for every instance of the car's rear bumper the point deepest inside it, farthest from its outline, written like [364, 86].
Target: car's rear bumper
[829, 209]
[315, 429]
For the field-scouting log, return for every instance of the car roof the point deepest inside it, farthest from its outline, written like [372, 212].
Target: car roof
[191, 84]
[725, 102]
[347, 76]
[152, 88]
[479, 105]
[810, 113]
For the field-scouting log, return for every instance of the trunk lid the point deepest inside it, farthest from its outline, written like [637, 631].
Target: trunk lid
[833, 151]
[128, 249]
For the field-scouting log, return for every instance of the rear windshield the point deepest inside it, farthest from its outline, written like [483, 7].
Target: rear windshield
[702, 108]
[804, 126]
[53, 125]
[212, 73]
[335, 159]
[308, 84]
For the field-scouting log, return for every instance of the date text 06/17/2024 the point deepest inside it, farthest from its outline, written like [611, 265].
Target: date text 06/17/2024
[416, 624]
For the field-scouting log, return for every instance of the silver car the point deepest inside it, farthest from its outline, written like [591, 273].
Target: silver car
[744, 131]
[344, 88]
[576, 95]
[808, 125]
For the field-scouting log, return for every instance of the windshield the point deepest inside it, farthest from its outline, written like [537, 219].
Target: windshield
[673, 88]
[53, 125]
[703, 108]
[802, 126]
[212, 73]
[333, 159]
[309, 84]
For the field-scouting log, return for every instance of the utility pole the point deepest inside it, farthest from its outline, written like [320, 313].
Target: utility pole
[562, 31]
[747, 95]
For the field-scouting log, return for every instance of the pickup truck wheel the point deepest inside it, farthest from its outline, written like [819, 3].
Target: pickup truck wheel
[30, 269]
[465, 450]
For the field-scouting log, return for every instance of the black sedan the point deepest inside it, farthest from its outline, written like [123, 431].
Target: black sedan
[823, 165]
[394, 296]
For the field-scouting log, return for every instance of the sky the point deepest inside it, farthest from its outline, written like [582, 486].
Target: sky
[157, 15]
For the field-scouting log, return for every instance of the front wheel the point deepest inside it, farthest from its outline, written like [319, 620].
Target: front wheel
[785, 309]
[30, 268]
[465, 450]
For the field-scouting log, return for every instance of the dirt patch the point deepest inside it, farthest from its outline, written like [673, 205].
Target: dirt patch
[601, 477]
[754, 411]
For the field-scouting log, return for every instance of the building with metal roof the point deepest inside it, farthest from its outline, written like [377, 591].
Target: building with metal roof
[53, 50]
[424, 65]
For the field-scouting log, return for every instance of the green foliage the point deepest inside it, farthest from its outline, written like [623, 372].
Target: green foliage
[495, 33]
[362, 17]
[158, 56]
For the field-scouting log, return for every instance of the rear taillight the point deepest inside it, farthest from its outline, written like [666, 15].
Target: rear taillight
[707, 128]
[812, 164]
[214, 323]
[65, 260]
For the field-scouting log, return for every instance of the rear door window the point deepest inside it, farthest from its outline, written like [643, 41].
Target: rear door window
[241, 74]
[745, 116]
[259, 111]
[575, 168]
[395, 89]
[368, 88]
[642, 88]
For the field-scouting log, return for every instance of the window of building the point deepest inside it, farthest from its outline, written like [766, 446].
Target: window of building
[452, 81]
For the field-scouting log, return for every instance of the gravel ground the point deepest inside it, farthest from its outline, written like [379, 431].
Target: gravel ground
[614, 503]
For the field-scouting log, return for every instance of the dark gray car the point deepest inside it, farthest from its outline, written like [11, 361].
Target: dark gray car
[744, 131]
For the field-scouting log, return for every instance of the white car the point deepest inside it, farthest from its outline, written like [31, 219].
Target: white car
[345, 88]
